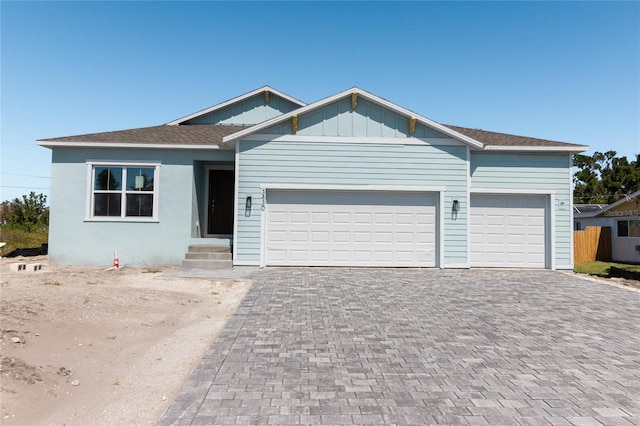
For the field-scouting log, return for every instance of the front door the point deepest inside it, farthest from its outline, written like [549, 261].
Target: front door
[220, 209]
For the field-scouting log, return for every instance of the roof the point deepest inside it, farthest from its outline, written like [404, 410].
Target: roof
[587, 209]
[171, 136]
[477, 139]
[495, 139]
[605, 209]
[207, 136]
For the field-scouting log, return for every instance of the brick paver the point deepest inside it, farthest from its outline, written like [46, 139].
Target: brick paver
[407, 346]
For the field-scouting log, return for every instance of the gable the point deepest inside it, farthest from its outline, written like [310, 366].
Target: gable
[367, 119]
[626, 207]
[253, 110]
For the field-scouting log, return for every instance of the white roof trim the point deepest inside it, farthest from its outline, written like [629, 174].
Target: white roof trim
[577, 148]
[126, 145]
[609, 207]
[366, 95]
[233, 101]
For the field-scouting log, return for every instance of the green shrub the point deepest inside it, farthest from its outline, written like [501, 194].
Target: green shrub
[19, 238]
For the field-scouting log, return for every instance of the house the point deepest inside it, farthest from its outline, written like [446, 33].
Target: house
[623, 217]
[349, 180]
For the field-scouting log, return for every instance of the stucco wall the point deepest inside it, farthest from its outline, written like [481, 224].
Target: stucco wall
[74, 240]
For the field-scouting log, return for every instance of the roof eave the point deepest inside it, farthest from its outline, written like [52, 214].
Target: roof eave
[522, 148]
[57, 144]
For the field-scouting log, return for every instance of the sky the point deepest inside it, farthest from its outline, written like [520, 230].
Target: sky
[564, 71]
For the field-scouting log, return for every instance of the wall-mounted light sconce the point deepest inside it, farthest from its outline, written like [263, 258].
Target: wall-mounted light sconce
[456, 206]
[247, 207]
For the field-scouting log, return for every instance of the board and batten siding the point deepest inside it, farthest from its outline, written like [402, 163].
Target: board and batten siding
[248, 112]
[367, 120]
[531, 171]
[77, 241]
[344, 163]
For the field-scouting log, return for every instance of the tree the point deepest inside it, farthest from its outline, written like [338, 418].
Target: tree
[27, 214]
[604, 178]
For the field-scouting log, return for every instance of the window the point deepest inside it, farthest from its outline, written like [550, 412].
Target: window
[577, 226]
[123, 192]
[628, 228]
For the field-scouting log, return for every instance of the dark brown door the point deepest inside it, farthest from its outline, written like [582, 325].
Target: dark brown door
[220, 202]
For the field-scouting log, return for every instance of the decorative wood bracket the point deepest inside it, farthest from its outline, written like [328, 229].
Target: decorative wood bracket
[354, 100]
[412, 125]
[266, 96]
[294, 123]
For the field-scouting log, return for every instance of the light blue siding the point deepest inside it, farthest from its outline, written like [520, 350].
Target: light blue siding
[367, 120]
[526, 171]
[75, 241]
[325, 163]
[248, 112]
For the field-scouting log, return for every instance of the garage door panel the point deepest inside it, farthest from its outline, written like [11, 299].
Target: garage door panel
[278, 255]
[279, 217]
[298, 217]
[320, 217]
[277, 236]
[384, 219]
[404, 219]
[405, 237]
[508, 231]
[296, 236]
[337, 228]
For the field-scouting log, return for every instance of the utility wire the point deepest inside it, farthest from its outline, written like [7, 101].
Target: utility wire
[18, 174]
[26, 187]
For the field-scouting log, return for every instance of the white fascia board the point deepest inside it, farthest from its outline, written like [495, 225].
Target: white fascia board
[235, 100]
[366, 95]
[261, 137]
[512, 191]
[320, 187]
[124, 145]
[577, 148]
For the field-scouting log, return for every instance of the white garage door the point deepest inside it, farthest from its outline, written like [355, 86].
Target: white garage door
[350, 228]
[508, 231]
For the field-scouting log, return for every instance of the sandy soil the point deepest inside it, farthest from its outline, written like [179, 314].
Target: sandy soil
[93, 346]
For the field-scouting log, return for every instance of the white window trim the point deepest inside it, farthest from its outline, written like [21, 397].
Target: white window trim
[91, 165]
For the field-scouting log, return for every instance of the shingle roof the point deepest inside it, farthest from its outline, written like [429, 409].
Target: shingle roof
[503, 139]
[165, 134]
[213, 135]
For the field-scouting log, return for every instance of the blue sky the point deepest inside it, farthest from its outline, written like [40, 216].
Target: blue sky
[566, 71]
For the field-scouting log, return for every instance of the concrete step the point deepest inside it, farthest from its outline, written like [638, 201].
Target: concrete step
[209, 248]
[208, 256]
[206, 264]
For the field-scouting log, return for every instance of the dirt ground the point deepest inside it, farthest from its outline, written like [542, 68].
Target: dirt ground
[94, 346]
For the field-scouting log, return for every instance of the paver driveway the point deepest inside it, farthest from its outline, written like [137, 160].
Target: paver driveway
[398, 346]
